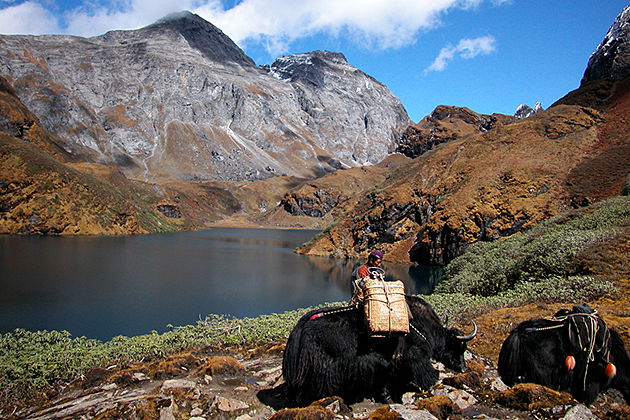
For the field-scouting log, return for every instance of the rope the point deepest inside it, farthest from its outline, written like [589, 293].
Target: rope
[335, 311]
[534, 329]
[586, 342]
[418, 332]
[387, 302]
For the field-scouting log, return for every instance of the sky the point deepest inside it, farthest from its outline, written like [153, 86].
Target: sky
[487, 55]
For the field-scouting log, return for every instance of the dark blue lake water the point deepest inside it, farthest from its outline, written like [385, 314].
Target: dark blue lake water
[100, 287]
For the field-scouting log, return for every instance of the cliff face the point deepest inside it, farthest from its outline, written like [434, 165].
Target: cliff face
[178, 100]
[45, 190]
[611, 59]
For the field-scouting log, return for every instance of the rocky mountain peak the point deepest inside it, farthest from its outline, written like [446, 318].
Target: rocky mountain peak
[307, 67]
[444, 124]
[199, 33]
[179, 100]
[524, 110]
[612, 56]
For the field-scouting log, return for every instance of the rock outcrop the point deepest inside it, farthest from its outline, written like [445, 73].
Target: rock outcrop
[313, 201]
[444, 124]
[611, 59]
[178, 100]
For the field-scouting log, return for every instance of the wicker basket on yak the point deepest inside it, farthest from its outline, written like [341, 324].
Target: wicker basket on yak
[385, 306]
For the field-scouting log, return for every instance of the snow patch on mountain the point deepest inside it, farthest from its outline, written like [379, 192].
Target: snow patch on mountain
[525, 111]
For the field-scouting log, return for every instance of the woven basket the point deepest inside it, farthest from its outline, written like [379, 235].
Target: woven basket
[385, 307]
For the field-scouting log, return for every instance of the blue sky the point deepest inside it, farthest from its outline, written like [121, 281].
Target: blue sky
[487, 55]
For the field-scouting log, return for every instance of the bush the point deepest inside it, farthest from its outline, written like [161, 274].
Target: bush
[459, 306]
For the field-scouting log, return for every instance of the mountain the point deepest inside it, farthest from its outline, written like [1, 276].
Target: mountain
[45, 190]
[487, 186]
[178, 100]
[525, 111]
[444, 124]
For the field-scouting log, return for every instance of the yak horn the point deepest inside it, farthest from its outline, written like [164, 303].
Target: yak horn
[445, 323]
[469, 337]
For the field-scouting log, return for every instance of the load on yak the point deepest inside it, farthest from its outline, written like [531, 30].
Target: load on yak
[379, 347]
[573, 352]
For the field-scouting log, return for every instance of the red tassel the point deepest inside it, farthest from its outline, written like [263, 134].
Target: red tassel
[569, 362]
[610, 370]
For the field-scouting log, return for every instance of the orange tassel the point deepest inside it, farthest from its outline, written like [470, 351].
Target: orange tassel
[610, 370]
[569, 362]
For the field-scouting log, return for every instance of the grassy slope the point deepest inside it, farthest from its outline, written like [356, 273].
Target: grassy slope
[40, 194]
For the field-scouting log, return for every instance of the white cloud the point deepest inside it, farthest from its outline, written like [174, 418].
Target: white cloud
[374, 23]
[275, 24]
[92, 20]
[466, 48]
[28, 17]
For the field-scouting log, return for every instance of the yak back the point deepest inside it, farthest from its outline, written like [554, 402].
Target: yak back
[332, 354]
[533, 353]
[336, 335]
[536, 351]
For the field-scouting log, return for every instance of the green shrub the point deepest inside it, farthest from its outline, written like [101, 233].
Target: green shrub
[550, 250]
[460, 306]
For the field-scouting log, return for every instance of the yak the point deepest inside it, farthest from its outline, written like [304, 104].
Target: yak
[573, 352]
[330, 353]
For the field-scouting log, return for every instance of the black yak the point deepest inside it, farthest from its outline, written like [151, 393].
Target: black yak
[329, 352]
[573, 352]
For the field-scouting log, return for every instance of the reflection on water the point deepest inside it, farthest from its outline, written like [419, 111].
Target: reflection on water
[102, 287]
[417, 279]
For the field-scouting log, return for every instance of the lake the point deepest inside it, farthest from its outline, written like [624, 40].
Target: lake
[100, 287]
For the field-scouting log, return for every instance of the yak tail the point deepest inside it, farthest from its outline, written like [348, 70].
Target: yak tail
[619, 356]
[291, 359]
[510, 359]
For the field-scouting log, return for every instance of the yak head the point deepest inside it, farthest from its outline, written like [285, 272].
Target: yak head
[452, 355]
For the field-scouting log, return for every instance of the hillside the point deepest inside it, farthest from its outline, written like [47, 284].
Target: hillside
[49, 197]
[486, 186]
[492, 185]
[45, 190]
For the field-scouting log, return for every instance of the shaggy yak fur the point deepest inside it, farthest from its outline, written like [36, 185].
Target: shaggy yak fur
[334, 355]
[536, 352]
